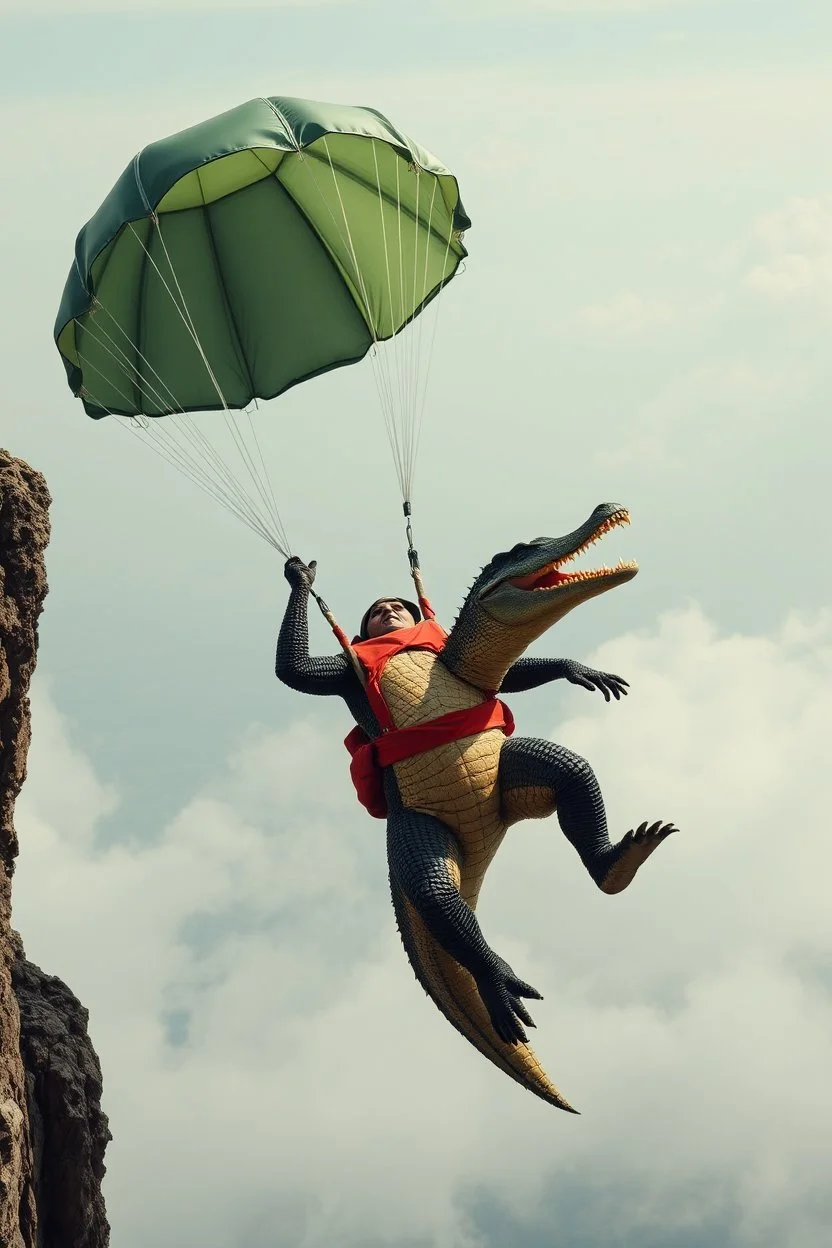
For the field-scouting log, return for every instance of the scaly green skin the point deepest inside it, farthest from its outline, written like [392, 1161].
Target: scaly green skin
[449, 808]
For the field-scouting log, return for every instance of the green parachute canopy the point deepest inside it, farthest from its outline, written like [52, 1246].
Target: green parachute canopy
[248, 253]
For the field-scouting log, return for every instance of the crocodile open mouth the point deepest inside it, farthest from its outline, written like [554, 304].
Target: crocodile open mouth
[551, 575]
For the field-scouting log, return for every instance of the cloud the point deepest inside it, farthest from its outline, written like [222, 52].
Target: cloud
[797, 242]
[700, 424]
[628, 315]
[265, 1047]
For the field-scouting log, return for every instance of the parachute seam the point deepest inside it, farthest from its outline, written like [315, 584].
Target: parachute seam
[336, 268]
[79, 320]
[353, 283]
[231, 319]
[139, 183]
[281, 117]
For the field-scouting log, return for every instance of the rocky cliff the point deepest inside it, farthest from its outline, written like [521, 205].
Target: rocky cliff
[52, 1131]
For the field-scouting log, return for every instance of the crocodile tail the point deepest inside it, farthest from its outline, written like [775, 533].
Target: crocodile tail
[454, 991]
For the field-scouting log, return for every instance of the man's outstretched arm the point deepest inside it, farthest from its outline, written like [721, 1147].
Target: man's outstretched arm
[529, 673]
[293, 664]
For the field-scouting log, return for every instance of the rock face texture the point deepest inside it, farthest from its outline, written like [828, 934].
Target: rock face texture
[67, 1129]
[52, 1131]
[24, 534]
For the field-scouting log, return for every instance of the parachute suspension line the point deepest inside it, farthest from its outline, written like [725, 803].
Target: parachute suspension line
[134, 426]
[173, 453]
[381, 375]
[85, 390]
[338, 632]
[195, 435]
[405, 343]
[382, 378]
[396, 364]
[346, 239]
[162, 430]
[400, 320]
[419, 364]
[184, 465]
[224, 489]
[182, 309]
[401, 433]
[163, 395]
[187, 320]
[404, 434]
[341, 637]
[243, 450]
[415, 335]
[396, 445]
[229, 495]
[419, 410]
[266, 477]
[426, 371]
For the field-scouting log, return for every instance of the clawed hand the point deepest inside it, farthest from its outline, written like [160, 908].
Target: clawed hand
[299, 573]
[588, 678]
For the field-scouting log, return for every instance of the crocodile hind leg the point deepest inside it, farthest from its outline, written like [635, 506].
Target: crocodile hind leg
[423, 857]
[538, 778]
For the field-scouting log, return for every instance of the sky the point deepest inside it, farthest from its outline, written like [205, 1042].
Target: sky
[643, 318]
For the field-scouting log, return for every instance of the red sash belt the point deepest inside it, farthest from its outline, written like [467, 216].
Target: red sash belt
[368, 757]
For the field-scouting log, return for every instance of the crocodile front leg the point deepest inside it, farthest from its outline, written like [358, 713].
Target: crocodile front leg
[538, 777]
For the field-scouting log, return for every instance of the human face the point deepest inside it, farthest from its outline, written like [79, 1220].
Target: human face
[388, 615]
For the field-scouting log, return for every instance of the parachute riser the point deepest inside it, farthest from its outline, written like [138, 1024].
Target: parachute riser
[424, 602]
[341, 637]
[415, 569]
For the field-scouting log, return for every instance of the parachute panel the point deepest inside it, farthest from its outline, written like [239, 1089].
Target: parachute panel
[289, 305]
[224, 176]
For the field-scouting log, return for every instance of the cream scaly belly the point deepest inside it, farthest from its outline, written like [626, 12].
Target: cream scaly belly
[456, 782]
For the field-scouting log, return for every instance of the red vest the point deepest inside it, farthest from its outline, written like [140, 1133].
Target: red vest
[395, 744]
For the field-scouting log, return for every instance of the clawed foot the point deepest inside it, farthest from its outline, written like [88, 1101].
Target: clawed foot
[501, 991]
[631, 851]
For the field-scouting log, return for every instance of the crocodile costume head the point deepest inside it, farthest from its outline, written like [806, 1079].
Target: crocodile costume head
[522, 592]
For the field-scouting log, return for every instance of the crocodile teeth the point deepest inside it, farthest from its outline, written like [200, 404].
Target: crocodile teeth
[587, 574]
[621, 517]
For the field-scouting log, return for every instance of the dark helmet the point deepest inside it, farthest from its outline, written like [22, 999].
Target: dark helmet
[411, 607]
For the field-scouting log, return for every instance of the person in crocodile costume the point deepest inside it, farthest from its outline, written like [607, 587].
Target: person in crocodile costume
[449, 805]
